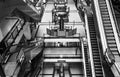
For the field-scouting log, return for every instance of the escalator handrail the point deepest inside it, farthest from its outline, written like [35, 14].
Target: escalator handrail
[113, 14]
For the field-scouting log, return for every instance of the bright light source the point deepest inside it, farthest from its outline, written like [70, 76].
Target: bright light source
[61, 56]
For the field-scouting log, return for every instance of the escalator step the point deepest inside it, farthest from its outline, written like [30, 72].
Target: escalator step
[111, 42]
[104, 13]
[110, 38]
[104, 9]
[115, 52]
[108, 31]
[108, 27]
[95, 51]
[92, 30]
[98, 66]
[101, 8]
[102, 2]
[99, 72]
[94, 45]
[92, 33]
[113, 49]
[98, 69]
[112, 45]
[93, 42]
[103, 5]
[108, 22]
[96, 56]
[111, 35]
[92, 27]
[90, 22]
[106, 19]
[96, 60]
[93, 39]
[97, 63]
[106, 16]
[94, 48]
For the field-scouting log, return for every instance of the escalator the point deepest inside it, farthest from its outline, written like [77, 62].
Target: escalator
[110, 38]
[95, 49]
[87, 64]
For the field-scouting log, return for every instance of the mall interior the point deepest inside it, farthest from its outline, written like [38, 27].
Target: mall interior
[59, 38]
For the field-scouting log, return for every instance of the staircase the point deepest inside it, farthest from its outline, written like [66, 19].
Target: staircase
[88, 69]
[110, 38]
[95, 48]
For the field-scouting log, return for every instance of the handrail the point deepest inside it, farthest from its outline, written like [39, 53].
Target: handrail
[114, 17]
